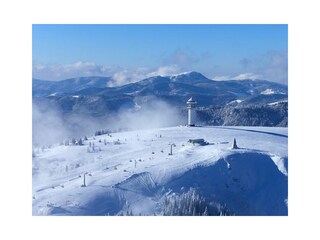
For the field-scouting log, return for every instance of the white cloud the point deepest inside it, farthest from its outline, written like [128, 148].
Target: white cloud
[165, 71]
[119, 75]
[39, 67]
[221, 78]
[63, 71]
[243, 76]
[272, 66]
[276, 67]
[82, 69]
[125, 76]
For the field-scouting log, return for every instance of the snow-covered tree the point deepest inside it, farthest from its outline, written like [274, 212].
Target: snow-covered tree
[186, 204]
[80, 142]
[206, 213]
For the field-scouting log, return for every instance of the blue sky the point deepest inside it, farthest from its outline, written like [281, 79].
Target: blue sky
[131, 52]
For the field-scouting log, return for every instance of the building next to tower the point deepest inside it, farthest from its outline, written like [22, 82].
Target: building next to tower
[191, 105]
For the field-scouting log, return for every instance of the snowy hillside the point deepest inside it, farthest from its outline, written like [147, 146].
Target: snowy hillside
[132, 173]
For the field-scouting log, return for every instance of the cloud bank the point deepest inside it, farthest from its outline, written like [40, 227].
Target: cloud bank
[272, 66]
[120, 75]
[52, 126]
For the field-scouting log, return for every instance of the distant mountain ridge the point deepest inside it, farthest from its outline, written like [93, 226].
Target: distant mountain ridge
[91, 94]
[183, 85]
[45, 87]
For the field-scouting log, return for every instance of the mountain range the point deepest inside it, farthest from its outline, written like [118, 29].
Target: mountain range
[216, 100]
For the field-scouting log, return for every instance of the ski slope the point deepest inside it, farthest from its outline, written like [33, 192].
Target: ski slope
[132, 173]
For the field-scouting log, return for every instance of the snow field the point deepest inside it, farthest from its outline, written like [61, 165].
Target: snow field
[131, 172]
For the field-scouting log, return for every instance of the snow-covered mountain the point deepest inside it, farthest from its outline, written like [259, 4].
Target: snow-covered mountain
[133, 173]
[91, 96]
[177, 87]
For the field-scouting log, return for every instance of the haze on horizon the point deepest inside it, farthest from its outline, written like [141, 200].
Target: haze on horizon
[132, 52]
